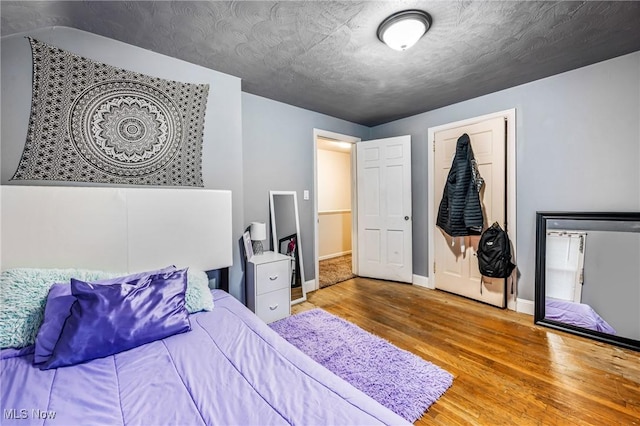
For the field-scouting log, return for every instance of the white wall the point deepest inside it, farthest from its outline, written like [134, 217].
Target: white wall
[334, 233]
[334, 183]
[578, 149]
[222, 138]
[334, 203]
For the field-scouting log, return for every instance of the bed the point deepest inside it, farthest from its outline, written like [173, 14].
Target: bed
[229, 368]
[577, 314]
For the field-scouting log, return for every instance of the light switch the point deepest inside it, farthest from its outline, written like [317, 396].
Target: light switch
[305, 194]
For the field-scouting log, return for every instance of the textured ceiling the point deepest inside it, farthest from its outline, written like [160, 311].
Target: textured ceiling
[325, 56]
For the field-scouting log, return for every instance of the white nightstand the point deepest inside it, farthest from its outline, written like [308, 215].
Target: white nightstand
[269, 286]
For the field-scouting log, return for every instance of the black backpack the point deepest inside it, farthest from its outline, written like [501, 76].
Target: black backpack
[494, 253]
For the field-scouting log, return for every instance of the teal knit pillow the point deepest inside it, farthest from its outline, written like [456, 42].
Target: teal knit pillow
[198, 297]
[23, 295]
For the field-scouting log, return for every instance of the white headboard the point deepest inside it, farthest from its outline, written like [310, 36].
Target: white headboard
[114, 229]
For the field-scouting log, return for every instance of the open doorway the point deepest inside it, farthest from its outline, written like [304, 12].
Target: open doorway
[335, 207]
[334, 211]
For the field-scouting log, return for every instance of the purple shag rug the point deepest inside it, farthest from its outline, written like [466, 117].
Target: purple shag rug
[397, 379]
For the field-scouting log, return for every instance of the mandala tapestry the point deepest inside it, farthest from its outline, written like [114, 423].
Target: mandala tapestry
[91, 122]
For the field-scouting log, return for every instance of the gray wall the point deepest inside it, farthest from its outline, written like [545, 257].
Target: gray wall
[578, 148]
[278, 156]
[612, 279]
[276, 153]
[284, 212]
[578, 140]
[222, 141]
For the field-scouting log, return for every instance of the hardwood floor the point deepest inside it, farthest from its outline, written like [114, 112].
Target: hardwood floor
[296, 293]
[507, 370]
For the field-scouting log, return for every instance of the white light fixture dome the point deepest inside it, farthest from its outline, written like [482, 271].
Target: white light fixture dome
[402, 30]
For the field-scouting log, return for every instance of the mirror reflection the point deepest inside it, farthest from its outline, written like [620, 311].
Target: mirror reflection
[588, 275]
[285, 233]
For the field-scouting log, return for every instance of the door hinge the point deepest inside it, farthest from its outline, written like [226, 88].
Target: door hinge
[434, 267]
[434, 145]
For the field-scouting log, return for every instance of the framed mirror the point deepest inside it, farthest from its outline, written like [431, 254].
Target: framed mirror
[588, 275]
[285, 234]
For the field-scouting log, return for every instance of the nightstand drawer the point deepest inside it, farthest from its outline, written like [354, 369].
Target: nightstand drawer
[273, 306]
[273, 276]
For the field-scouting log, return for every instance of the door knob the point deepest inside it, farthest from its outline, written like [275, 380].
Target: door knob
[406, 218]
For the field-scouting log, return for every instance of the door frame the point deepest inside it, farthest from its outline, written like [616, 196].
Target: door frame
[354, 200]
[510, 116]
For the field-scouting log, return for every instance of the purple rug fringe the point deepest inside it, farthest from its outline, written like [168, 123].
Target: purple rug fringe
[397, 379]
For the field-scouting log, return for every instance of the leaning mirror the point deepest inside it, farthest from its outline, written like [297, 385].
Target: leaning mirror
[588, 275]
[285, 233]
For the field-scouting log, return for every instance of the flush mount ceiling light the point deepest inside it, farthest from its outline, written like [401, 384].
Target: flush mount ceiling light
[402, 30]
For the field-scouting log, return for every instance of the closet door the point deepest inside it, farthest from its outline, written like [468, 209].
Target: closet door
[456, 264]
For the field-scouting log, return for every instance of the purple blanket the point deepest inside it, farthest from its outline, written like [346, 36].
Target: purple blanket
[577, 314]
[230, 369]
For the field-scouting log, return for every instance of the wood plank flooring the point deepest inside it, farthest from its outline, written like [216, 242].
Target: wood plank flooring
[296, 293]
[507, 370]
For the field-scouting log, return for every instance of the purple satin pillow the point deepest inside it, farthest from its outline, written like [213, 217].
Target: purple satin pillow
[108, 319]
[58, 307]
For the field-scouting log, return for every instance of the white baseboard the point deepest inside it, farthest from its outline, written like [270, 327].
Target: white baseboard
[309, 286]
[525, 306]
[521, 305]
[332, 255]
[421, 281]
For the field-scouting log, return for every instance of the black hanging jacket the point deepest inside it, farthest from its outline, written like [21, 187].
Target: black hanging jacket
[460, 212]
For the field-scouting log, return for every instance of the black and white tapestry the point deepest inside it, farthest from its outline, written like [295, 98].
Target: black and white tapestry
[92, 122]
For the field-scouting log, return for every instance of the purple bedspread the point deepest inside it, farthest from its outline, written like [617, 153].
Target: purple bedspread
[578, 314]
[231, 369]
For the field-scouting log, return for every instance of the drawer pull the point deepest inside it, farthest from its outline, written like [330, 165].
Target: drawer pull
[273, 307]
[273, 277]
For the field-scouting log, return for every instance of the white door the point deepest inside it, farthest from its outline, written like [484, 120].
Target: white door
[456, 264]
[383, 168]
